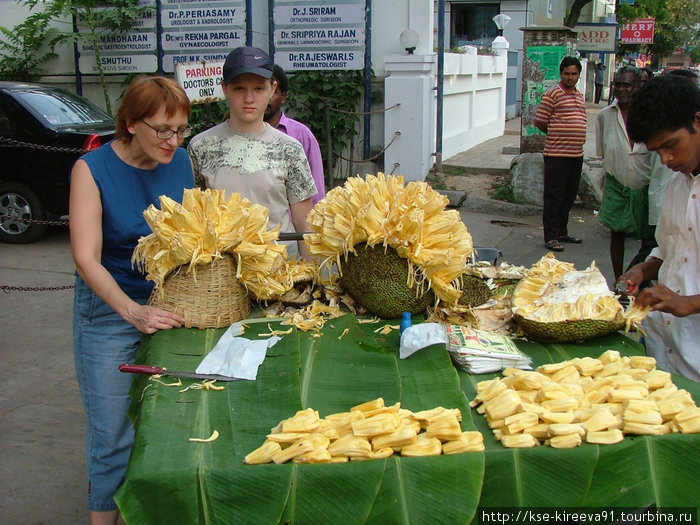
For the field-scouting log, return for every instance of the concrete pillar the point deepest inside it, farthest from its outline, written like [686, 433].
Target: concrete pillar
[410, 83]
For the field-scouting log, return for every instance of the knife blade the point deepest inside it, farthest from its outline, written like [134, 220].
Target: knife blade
[132, 368]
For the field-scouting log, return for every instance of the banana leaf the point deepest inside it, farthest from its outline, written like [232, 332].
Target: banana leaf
[641, 471]
[172, 480]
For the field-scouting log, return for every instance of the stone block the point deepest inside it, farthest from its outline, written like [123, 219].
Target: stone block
[527, 175]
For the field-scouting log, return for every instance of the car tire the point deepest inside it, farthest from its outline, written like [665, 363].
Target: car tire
[18, 201]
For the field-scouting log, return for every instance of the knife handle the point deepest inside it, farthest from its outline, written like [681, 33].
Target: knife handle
[140, 369]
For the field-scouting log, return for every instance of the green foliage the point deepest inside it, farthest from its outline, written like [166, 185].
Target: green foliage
[205, 116]
[94, 21]
[309, 91]
[503, 191]
[26, 47]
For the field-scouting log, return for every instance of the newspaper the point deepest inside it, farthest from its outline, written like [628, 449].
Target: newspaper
[480, 352]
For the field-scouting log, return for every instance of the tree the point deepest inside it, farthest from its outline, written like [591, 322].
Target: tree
[97, 22]
[575, 12]
[676, 25]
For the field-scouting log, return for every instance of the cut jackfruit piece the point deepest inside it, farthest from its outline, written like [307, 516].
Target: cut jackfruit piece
[556, 303]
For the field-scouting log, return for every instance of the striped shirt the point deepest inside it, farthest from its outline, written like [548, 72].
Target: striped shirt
[564, 112]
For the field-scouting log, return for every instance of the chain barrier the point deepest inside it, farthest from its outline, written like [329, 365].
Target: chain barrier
[12, 143]
[363, 113]
[397, 134]
[8, 289]
[34, 221]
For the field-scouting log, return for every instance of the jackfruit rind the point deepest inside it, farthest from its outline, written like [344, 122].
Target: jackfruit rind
[565, 331]
[377, 278]
[557, 303]
[475, 291]
[411, 219]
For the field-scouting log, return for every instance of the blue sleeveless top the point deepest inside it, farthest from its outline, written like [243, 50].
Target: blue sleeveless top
[126, 192]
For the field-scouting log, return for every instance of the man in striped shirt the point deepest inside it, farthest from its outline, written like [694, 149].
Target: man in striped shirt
[562, 116]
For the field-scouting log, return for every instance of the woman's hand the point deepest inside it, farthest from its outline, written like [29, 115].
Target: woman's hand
[150, 319]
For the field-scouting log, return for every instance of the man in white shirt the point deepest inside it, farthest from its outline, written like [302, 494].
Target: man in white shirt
[665, 115]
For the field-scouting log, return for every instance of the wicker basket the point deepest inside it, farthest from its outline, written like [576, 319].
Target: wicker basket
[215, 299]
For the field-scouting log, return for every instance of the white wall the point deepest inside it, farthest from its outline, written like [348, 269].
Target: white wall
[473, 101]
[473, 108]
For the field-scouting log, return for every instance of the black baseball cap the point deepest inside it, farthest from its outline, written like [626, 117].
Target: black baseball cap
[247, 59]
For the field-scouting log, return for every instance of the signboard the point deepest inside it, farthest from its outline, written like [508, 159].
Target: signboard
[596, 38]
[121, 64]
[196, 31]
[131, 52]
[201, 80]
[319, 34]
[641, 31]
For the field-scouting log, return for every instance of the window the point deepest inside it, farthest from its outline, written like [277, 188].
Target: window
[472, 24]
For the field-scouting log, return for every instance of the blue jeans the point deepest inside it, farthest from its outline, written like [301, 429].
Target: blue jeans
[101, 341]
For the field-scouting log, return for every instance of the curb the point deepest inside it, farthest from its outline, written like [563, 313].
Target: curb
[460, 199]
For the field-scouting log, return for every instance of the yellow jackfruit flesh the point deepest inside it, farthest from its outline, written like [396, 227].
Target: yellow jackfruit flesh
[557, 303]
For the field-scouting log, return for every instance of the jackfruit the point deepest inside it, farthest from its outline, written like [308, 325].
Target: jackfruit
[377, 278]
[366, 220]
[557, 303]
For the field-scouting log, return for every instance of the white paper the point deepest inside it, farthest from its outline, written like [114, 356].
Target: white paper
[236, 356]
[420, 336]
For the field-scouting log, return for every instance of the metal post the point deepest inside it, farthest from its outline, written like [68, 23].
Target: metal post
[271, 28]
[368, 76]
[248, 22]
[329, 144]
[440, 75]
[159, 39]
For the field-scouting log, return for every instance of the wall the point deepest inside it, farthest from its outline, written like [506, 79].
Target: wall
[474, 101]
[473, 108]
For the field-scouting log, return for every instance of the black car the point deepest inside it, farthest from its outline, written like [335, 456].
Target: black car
[43, 130]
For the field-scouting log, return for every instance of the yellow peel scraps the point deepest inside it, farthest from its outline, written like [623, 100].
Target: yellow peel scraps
[157, 379]
[214, 436]
[386, 329]
[204, 385]
[276, 332]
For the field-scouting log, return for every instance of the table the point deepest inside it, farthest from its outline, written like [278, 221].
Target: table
[173, 480]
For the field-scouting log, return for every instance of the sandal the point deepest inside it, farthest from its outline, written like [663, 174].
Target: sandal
[554, 245]
[568, 238]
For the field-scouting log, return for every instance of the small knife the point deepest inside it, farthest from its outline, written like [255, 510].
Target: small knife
[159, 370]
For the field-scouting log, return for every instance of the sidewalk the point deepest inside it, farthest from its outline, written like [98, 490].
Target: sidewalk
[495, 155]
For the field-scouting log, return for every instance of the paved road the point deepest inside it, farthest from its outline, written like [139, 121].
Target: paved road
[41, 416]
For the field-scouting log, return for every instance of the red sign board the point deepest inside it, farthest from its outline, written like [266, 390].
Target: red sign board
[641, 31]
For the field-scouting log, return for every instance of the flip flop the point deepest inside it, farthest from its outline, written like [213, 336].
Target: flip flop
[554, 246]
[568, 238]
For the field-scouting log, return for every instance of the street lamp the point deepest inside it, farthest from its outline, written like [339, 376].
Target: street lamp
[501, 21]
[409, 40]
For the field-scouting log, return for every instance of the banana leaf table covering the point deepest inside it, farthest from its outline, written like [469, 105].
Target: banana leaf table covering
[173, 480]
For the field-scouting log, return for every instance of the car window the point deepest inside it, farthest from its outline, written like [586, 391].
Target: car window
[60, 108]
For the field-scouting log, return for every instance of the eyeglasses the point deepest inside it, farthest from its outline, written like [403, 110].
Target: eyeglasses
[165, 133]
